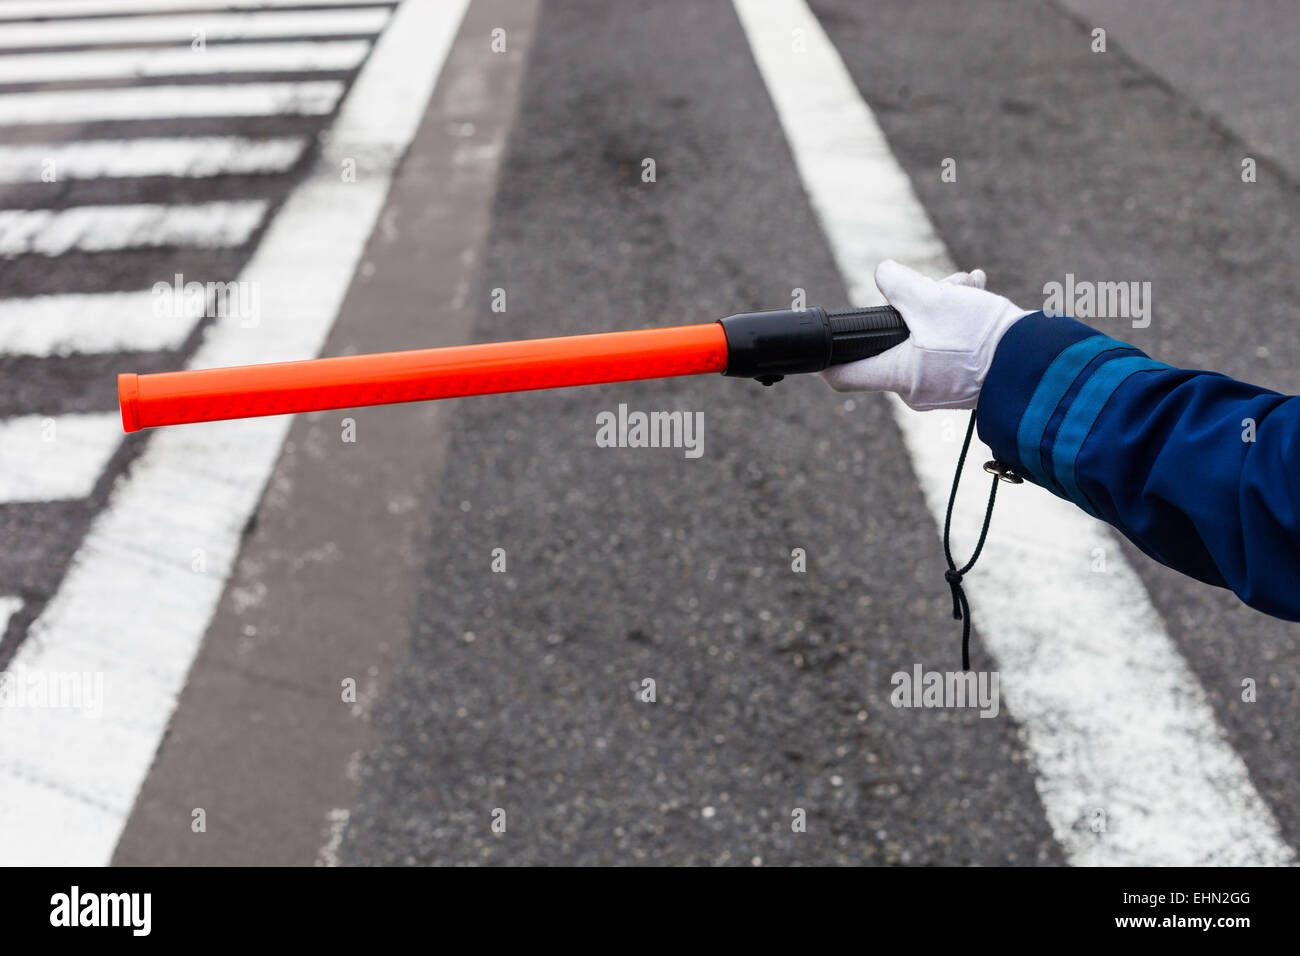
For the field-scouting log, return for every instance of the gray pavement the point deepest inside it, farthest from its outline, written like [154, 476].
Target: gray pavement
[626, 564]
[1232, 62]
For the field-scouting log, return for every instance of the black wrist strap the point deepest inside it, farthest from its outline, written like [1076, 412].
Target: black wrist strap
[960, 606]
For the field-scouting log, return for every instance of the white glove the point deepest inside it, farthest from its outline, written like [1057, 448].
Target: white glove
[955, 329]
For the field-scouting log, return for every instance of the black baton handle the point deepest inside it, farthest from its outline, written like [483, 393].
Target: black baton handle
[861, 333]
[770, 345]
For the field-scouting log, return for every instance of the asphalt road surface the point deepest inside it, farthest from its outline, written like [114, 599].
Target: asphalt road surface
[427, 634]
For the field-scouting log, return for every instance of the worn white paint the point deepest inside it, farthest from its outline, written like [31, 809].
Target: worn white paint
[53, 458]
[52, 232]
[48, 9]
[1114, 718]
[215, 58]
[194, 157]
[311, 98]
[187, 28]
[95, 322]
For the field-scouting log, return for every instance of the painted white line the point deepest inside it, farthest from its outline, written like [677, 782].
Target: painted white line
[9, 606]
[55, 458]
[49, 232]
[1114, 717]
[173, 61]
[312, 98]
[44, 9]
[132, 604]
[193, 157]
[185, 28]
[98, 322]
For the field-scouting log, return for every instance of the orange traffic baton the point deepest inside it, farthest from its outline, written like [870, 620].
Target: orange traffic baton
[762, 345]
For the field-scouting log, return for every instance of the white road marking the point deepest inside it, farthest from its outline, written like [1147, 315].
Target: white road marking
[337, 821]
[1115, 719]
[312, 98]
[45, 9]
[184, 28]
[194, 157]
[52, 232]
[131, 604]
[55, 458]
[47, 325]
[182, 61]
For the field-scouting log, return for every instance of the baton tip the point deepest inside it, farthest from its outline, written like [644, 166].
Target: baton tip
[128, 397]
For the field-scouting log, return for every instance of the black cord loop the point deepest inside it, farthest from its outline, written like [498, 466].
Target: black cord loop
[954, 574]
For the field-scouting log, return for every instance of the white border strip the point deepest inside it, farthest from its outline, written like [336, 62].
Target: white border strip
[1114, 717]
[132, 605]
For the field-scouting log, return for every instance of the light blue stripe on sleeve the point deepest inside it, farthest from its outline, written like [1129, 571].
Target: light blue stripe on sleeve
[1082, 415]
[1056, 381]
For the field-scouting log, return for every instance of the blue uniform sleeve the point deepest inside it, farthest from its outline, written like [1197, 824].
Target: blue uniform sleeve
[1199, 471]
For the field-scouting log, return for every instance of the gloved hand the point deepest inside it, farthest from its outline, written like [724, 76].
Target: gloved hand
[955, 329]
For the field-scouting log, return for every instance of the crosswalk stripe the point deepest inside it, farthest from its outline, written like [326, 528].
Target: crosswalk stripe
[68, 784]
[1114, 717]
[97, 322]
[45, 9]
[187, 156]
[214, 59]
[52, 232]
[55, 458]
[312, 98]
[184, 28]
